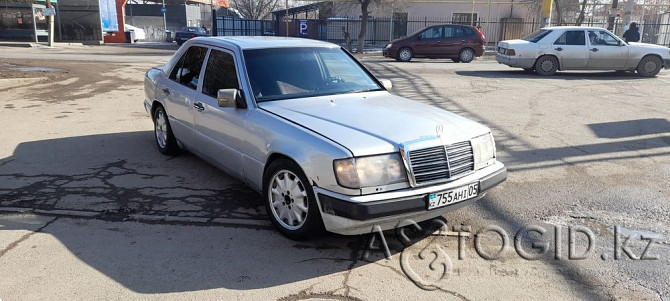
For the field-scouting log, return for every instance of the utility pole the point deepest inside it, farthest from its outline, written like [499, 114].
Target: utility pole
[627, 14]
[51, 25]
[547, 6]
[286, 18]
[612, 16]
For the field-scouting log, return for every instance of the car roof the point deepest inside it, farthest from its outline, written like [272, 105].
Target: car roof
[261, 42]
[574, 27]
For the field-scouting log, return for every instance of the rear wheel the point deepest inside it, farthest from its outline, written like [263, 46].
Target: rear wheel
[546, 65]
[466, 55]
[165, 140]
[290, 201]
[649, 66]
[405, 54]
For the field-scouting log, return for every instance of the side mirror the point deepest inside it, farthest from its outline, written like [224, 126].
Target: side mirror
[229, 98]
[388, 85]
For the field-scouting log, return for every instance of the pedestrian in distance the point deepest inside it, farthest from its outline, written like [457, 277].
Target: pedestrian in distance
[632, 34]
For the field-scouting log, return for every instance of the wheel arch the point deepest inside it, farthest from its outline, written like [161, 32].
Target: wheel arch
[560, 64]
[648, 55]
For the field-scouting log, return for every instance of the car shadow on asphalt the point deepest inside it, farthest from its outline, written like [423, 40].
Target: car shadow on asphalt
[208, 230]
[563, 75]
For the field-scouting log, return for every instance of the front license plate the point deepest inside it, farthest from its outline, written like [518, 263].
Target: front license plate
[440, 199]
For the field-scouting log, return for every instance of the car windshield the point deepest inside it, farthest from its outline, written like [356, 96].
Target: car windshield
[283, 73]
[537, 36]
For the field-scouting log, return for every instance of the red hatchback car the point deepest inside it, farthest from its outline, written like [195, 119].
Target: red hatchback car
[460, 43]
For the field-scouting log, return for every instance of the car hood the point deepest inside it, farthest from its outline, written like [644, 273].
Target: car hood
[636, 45]
[374, 122]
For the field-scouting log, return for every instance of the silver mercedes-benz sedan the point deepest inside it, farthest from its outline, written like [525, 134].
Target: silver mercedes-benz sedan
[581, 48]
[327, 145]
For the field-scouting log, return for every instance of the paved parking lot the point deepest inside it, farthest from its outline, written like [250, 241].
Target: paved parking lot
[89, 209]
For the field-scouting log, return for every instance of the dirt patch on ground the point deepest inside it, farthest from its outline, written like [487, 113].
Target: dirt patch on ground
[76, 80]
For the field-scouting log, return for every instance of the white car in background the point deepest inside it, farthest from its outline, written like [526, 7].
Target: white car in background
[581, 48]
[139, 32]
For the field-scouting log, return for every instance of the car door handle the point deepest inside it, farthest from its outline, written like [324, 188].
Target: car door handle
[166, 91]
[594, 49]
[559, 49]
[199, 106]
[439, 42]
[463, 41]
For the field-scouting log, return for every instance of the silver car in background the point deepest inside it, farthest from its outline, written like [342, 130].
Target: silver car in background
[581, 48]
[306, 125]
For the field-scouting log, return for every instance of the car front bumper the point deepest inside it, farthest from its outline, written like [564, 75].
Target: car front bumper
[349, 215]
[389, 52]
[515, 61]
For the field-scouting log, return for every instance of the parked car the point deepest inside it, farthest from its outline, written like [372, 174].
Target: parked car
[324, 142]
[581, 48]
[138, 32]
[189, 32]
[460, 43]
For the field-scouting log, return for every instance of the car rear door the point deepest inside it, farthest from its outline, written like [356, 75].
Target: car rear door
[571, 49]
[220, 132]
[454, 37]
[606, 51]
[178, 91]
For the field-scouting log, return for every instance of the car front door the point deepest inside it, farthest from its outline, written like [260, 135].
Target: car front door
[606, 51]
[220, 131]
[571, 49]
[430, 42]
[179, 90]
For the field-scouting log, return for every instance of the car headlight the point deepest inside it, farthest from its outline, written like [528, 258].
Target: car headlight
[389, 45]
[370, 171]
[484, 149]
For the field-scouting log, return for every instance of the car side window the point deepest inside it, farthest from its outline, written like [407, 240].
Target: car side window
[602, 38]
[459, 32]
[187, 70]
[571, 37]
[220, 73]
[432, 33]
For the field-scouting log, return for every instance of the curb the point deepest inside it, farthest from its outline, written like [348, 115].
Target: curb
[190, 220]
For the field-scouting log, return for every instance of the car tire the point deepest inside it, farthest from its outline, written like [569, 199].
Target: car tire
[405, 54]
[292, 210]
[546, 65]
[165, 139]
[456, 60]
[466, 55]
[649, 66]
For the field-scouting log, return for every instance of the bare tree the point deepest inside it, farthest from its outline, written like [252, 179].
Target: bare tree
[582, 14]
[255, 9]
[366, 7]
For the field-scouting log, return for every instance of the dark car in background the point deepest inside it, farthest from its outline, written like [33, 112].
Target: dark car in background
[460, 43]
[189, 32]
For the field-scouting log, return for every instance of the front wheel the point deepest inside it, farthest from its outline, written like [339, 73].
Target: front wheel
[466, 55]
[290, 201]
[405, 54]
[649, 66]
[546, 65]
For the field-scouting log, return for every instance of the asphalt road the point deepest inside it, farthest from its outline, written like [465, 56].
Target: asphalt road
[90, 210]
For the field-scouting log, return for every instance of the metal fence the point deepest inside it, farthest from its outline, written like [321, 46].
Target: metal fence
[381, 31]
[230, 26]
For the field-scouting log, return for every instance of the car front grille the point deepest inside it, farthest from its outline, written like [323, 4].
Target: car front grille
[441, 163]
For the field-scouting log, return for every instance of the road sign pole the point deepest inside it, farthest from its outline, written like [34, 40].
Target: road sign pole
[163, 9]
